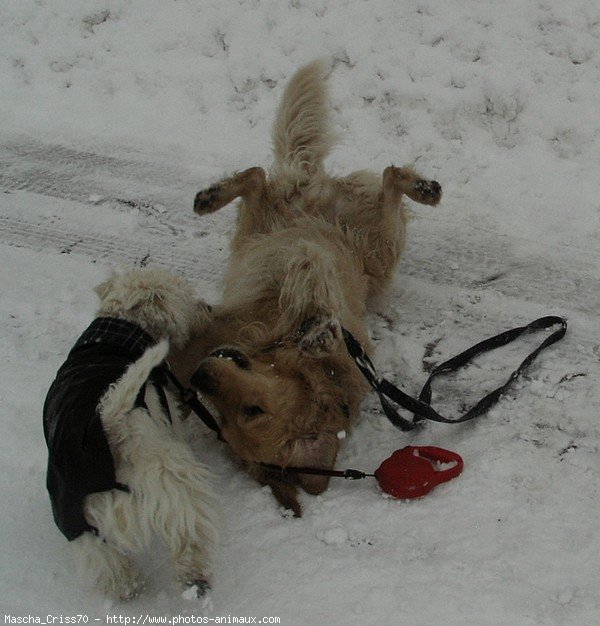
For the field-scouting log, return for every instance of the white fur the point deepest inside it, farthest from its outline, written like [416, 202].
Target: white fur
[160, 302]
[170, 493]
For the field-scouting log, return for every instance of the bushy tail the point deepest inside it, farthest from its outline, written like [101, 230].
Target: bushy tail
[301, 135]
[120, 397]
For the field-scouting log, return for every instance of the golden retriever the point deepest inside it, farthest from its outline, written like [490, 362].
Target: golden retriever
[309, 252]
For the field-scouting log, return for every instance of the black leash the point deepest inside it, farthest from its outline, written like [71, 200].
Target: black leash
[190, 398]
[350, 474]
[420, 407]
[388, 393]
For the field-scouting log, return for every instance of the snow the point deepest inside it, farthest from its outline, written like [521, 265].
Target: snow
[115, 112]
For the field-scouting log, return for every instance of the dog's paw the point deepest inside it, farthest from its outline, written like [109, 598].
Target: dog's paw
[196, 588]
[121, 580]
[294, 510]
[207, 200]
[428, 191]
[132, 591]
[320, 336]
[404, 180]
[287, 496]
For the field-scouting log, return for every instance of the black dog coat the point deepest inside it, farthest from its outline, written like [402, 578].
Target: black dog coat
[79, 458]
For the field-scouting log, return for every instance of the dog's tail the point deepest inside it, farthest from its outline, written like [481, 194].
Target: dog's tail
[121, 396]
[301, 136]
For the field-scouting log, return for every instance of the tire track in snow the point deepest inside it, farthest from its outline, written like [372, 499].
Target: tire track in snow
[455, 256]
[483, 262]
[39, 237]
[158, 191]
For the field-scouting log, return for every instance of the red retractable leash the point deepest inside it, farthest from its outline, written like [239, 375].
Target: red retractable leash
[411, 472]
[414, 471]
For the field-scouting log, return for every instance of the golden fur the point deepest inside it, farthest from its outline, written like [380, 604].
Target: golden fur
[309, 252]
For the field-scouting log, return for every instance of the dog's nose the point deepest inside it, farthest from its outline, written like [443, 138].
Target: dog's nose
[203, 381]
[231, 354]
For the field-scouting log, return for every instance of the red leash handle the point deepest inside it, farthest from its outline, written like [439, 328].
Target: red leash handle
[411, 472]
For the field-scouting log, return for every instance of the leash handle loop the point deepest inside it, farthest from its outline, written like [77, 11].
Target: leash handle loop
[421, 408]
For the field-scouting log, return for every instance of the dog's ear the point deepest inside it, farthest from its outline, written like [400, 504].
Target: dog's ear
[103, 288]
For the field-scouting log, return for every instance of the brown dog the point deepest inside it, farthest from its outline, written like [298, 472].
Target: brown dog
[308, 253]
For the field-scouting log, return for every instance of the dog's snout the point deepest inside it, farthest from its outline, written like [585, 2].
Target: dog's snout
[234, 355]
[203, 381]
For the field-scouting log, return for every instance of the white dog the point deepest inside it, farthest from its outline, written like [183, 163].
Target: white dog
[118, 469]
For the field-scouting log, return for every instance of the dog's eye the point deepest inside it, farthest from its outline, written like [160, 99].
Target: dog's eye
[252, 410]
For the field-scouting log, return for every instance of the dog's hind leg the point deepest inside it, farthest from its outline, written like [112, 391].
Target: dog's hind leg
[399, 181]
[175, 496]
[260, 211]
[250, 185]
[379, 216]
[190, 566]
[105, 566]
[190, 524]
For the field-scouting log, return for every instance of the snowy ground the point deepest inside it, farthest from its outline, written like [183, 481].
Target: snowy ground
[114, 112]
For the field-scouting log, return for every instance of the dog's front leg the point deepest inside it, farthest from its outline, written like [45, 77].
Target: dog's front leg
[284, 492]
[320, 336]
[311, 298]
